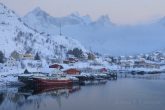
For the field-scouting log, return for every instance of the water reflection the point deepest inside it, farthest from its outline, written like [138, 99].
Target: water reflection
[28, 98]
[57, 90]
[22, 97]
[123, 94]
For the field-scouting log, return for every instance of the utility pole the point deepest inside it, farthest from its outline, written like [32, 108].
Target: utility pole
[60, 30]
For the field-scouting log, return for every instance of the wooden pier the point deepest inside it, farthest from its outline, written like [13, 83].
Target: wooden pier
[146, 77]
[92, 77]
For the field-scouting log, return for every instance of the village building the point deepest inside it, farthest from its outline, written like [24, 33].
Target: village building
[56, 66]
[86, 70]
[126, 63]
[11, 62]
[15, 55]
[72, 71]
[70, 60]
[145, 64]
[1, 67]
[95, 63]
[66, 61]
[27, 56]
[103, 70]
[95, 71]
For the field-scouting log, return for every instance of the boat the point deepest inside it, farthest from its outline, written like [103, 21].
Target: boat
[52, 81]
[27, 79]
[74, 80]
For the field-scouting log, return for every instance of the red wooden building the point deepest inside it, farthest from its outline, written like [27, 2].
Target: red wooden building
[102, 70]
[72, 71]
[57, 66]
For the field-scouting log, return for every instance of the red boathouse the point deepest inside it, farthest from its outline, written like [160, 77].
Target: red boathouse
[72, 71]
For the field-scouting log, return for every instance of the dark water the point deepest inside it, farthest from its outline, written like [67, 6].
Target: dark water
[123, 94]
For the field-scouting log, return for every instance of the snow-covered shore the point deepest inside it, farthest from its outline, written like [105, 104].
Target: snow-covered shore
[11, 77]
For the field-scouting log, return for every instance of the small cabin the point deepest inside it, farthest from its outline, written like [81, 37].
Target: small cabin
[72, 71]
[73, 60]
[27, 56]
[11, 62]
[103, 70]
[70, 60]
[66, 62]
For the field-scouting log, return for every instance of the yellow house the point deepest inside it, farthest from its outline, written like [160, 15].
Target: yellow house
[27, 56]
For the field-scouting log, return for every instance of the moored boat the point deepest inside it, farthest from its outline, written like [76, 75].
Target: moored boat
[27, 79]
[52, 81]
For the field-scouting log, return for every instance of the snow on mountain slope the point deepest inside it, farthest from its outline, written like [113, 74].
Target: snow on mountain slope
[16, 35]
[102, 35]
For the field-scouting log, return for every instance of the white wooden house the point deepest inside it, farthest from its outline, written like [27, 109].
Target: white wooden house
[11, 62]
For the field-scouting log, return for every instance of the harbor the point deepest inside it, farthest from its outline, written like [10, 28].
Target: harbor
[62, 79]
[82, 55]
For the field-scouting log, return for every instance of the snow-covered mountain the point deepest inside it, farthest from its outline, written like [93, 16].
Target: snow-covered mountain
[102, 35]
[17, 35]
[37, 16]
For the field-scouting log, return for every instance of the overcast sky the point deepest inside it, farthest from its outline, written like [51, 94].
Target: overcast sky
[120, 11]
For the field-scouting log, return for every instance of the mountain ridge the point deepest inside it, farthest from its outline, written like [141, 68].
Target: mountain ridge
[105, 37]
[17, 35]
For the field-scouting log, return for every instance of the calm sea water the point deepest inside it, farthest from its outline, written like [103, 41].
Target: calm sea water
[123, 94]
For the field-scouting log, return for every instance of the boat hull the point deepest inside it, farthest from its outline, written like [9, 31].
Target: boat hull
[51, 82]
[26, 80]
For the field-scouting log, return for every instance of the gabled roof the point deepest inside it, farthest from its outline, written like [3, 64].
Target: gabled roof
[56, 66]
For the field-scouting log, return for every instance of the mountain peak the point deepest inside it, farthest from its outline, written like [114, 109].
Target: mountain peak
[6, 14]
[38, 12]
[104, 20]
[80, 19]
[3, 8]
[162, 20]
[37, 9]
[75, 14]
[2, 5]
